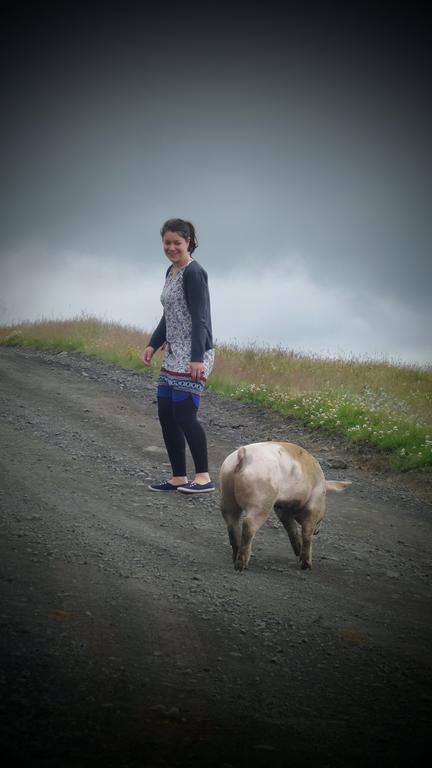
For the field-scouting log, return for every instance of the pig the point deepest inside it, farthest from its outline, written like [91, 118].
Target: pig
[259, 477]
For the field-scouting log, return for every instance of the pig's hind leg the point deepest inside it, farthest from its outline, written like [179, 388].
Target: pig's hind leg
[288, 521]
[253, 519]
[232, 514]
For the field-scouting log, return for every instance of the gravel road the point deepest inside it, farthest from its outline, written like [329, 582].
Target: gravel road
[127, 638]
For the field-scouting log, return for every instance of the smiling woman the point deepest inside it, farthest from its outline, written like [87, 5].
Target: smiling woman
[185, 334]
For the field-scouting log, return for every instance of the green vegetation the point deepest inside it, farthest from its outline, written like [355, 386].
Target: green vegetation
[384, 404]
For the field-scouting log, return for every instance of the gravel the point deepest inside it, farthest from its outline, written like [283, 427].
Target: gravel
[127, 637]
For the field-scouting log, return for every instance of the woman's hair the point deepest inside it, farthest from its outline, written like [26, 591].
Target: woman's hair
[183, 228]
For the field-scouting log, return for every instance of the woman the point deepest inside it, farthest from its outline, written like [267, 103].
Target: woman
[185, 334]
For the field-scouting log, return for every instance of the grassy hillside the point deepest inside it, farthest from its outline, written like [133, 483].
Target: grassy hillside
[383, 404]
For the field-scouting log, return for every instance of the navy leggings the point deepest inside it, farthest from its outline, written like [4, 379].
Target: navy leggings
[179, 421]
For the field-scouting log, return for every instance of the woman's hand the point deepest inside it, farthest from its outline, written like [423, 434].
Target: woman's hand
[196, 371]
[147, 355]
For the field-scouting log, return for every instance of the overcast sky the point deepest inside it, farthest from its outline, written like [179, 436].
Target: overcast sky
[299, 144]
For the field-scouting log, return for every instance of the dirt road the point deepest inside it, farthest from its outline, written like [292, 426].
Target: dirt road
[127, 639]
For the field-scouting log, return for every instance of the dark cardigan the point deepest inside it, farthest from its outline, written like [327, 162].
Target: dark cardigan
[196, 292]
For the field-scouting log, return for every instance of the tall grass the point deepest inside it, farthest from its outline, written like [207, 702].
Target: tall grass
[383, 404]
[111, 342]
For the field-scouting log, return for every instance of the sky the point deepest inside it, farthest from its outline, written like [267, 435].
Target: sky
[298, 142]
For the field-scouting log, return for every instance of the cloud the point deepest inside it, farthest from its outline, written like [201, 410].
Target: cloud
[58, 286]
[296, 312]
[263, 306]
[312, 132]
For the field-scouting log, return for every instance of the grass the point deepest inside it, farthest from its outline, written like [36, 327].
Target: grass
[380, 403]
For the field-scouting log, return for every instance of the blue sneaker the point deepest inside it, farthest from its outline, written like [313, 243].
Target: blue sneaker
[163, 487]
[196, 487]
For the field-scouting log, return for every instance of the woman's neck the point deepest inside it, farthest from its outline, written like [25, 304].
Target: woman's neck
[178, 267]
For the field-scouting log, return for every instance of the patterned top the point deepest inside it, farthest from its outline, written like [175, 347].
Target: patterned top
[178, 321]
[196, 294]
[177, 316]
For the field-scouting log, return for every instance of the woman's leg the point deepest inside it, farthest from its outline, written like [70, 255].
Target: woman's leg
[173, 437]
[185, 412]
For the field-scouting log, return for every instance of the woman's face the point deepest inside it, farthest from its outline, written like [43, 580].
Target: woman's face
[176, 247]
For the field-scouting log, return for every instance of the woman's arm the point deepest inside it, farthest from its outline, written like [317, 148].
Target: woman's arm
[158, 336]
[198, 300]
